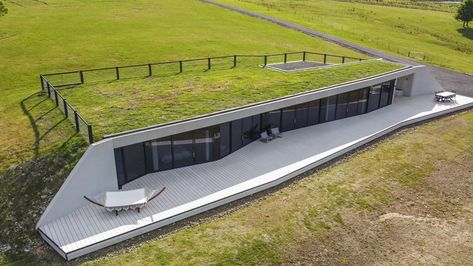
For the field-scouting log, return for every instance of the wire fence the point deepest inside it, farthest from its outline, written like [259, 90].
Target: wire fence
[50, 82]
[167, 68]
[69, 111]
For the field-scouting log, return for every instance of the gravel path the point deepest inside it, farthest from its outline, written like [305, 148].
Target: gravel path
[449, 79]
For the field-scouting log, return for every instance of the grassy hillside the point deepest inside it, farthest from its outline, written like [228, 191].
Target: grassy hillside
[37, 146]
[437, 35]
[113, 107]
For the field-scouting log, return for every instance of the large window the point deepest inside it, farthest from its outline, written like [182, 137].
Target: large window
[288, 117]
[159, 155]
[363, 100]
[134, 158]
[314, 112]
[236, 135]
[342, 105]
[215, 142]
[385, 87]
[327, 109]
[302, 115]
[373, 98]
[223, 139]
[183, 149]
[204, 145]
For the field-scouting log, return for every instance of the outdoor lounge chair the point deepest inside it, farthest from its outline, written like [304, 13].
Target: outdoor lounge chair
[275, 132]
[126, 199]
[265, 137]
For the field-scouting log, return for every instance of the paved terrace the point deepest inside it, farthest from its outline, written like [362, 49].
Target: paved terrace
[197, 188]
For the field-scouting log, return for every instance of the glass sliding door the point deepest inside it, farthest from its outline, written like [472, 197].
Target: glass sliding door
[301, 115]
[158, 155]
[288, 117]
[183, 152]
[134, 158]
[313, 116]
[274, 119]
[342, 105]
[327, 109]
[373, 98]
[391, 91]
[119, 164]
[236, 135]
[363, 100]
[352, 108]
[250, 128]
[384, 99]
[203, 145]
[223, 139]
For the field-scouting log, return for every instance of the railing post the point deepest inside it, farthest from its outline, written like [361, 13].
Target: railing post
[343, 60]
[234, 61]
[325, 59]
[42, 83]
[65, 108]
[118, 73]
[49, 89]
[285, 58]
[303, 56]
[90, 133]
[208, 63]
[81, 75]
[150, 70]
[55, 98]
[265, 60]
[180, 66]
[76, 120]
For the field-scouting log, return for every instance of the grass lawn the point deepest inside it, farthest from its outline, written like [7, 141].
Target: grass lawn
[437, 35]
[340, 215]
[37, 146]
[122, 105]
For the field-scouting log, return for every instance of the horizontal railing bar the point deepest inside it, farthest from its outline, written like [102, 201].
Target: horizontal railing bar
[60, 73]
[69, 84]
[194, 59]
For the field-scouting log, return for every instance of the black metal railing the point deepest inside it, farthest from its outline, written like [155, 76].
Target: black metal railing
[78, 77]
[69, 111]
[50, 82]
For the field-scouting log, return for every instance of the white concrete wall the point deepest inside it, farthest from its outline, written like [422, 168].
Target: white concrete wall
[94, 173]
[405, 84]
[424, 83]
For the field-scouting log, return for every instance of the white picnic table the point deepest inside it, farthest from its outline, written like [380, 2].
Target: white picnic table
[446, 94]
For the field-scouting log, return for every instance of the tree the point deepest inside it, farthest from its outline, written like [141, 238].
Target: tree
[465, 12]
[3, 9]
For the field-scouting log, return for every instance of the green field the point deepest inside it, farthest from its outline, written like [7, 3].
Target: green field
[437, 35]
[38, 147]
[116, 106]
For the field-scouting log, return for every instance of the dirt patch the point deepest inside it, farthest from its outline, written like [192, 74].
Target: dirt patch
[431, 224]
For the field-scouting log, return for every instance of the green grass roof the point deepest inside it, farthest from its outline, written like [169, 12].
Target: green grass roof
[129, 104]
